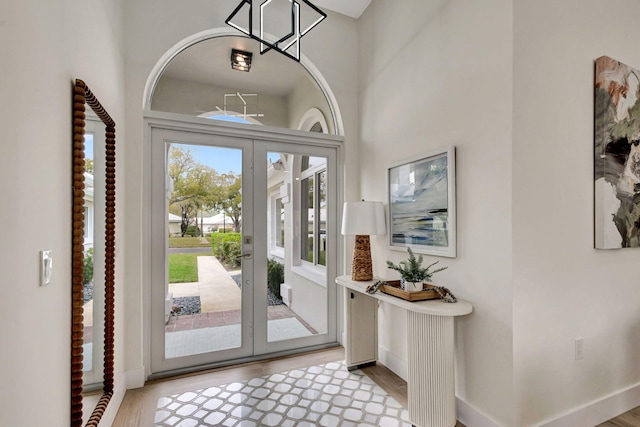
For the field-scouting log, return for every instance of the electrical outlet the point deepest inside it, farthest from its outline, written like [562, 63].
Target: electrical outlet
[579, 347]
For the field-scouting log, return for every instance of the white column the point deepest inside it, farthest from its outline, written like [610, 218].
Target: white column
[431, 387]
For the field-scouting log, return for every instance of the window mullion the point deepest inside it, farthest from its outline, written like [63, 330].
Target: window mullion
[316, 220]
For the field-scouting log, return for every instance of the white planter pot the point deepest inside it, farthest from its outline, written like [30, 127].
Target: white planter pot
[411, 286]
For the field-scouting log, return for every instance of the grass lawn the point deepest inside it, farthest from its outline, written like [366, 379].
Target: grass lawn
[183, 267]
[189, 242]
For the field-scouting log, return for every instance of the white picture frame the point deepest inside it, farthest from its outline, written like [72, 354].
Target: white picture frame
[421, 200]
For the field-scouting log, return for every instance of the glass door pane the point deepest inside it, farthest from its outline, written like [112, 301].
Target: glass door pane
[202, 292]
[204, 249]
[298, 300]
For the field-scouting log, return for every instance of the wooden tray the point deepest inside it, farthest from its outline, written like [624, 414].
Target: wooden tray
[393, 288]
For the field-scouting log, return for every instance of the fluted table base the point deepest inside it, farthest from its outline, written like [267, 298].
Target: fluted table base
[431, 391]
[430, 345]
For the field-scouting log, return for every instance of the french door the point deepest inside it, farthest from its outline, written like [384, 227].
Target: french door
[262, 214]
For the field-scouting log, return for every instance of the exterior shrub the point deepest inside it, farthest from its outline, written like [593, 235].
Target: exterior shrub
[192, 231]
[227, 247]
[231, 253]
[87, 267]
[275, 276]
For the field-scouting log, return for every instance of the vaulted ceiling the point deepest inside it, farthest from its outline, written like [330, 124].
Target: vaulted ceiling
[208, 62]
[352, 8]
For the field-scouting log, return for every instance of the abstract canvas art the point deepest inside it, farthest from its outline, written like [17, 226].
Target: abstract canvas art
[421, 194]
[617, 155]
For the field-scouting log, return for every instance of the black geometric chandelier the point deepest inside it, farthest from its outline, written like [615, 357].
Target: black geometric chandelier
[284, 40]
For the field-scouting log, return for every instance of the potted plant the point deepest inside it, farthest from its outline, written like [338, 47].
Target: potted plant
[412, 273]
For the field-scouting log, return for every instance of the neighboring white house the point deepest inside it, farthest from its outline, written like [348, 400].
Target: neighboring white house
[174, 225]
[217, 222]
[210, 224]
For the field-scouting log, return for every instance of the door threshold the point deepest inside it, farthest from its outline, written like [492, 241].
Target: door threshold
[201, 369]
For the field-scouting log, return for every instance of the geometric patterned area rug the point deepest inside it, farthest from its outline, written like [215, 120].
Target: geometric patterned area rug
[324, 395]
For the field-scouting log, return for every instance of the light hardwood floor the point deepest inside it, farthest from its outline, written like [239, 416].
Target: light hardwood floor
[139, 406]
[628, 419]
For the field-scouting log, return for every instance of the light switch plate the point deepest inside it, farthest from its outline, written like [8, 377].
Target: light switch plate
[46, 267]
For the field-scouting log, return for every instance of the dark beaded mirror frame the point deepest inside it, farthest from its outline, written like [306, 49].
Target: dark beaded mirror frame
[83, 96]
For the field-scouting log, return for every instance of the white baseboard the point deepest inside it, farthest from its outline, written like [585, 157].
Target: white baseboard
[393, 362]
[598, 411]
[472, 417]
[590, 414]
[135, 378]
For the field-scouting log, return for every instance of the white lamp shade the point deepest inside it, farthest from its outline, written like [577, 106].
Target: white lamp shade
[363, 218]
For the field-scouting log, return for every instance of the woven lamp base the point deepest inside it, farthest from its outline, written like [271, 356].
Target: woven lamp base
[362, 269]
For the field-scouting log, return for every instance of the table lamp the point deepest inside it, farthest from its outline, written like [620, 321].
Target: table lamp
[363, 219]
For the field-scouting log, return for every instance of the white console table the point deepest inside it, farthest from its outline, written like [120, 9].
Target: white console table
[430, 342]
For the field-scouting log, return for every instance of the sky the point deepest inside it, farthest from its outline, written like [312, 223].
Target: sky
[221, 159]
[88, 146]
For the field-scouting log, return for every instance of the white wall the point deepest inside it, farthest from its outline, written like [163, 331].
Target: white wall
[452, 72]
[563, 288]
[434, 74]
[306, 96]
[46, 45]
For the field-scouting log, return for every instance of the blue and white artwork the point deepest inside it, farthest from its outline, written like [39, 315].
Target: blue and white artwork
[421, 204]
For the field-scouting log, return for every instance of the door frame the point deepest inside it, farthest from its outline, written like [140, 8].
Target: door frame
[171, 121]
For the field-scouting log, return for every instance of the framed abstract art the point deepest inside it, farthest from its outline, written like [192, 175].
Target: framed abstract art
[616, 155]
[422, 203]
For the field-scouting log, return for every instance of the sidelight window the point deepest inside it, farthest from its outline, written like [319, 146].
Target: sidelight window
[313, 211]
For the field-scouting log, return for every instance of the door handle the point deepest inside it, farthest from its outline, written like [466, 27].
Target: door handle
[247, 255]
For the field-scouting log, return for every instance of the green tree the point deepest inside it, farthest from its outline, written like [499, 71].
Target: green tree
[198, 187]
[193, 186]
[228, 197]
[88, 165]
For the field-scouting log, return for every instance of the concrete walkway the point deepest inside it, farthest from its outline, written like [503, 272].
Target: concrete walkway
[217, 326]
[215, 287]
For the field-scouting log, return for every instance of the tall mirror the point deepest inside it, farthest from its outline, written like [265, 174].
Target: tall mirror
[93, 254]
[93, 263]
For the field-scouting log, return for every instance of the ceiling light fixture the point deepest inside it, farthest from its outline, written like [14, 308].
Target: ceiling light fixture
[241, 60]
[288, 40]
